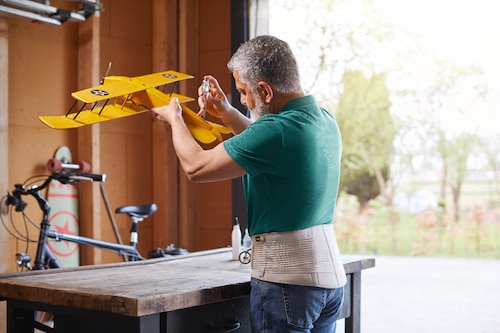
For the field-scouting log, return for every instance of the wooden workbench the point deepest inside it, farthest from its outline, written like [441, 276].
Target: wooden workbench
[201, 291]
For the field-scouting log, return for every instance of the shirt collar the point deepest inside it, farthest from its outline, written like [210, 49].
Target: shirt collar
[298, 103]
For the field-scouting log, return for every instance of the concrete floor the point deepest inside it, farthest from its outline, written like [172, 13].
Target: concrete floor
[431, 295]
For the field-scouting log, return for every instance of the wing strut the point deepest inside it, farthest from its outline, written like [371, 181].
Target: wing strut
[71, 108]
[81, 109]
[173, 88]
[105, 103]
[126, 100]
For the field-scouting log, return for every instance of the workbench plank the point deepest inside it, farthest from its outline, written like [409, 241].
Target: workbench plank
[143, 288]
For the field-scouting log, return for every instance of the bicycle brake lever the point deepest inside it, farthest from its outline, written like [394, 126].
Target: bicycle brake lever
[15, 199]
[64, 178]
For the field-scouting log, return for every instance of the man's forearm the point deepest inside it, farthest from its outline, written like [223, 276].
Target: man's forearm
[186, 147]
[235, 120]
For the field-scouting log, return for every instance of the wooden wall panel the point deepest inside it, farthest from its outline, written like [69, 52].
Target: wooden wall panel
[125, 156]
[125, 152]
[88, 139]
[214, 204]
[188, 62]
[165, 167]
[4, 150]
[126, 37]
[4, 147]
[47, 63]
[42, 73]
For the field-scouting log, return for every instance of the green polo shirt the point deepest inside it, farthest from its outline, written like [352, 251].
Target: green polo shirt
[292, 160]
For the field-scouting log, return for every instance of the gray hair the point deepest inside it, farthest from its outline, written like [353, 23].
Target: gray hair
[269, 59]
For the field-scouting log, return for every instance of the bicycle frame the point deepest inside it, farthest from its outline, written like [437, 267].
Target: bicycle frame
[44, 257]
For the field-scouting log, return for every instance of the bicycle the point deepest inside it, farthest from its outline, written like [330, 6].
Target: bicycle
[65, 174]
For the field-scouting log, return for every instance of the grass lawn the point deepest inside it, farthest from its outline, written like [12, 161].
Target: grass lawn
[426, 234]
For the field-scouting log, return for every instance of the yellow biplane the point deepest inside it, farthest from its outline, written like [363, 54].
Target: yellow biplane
[121, 96]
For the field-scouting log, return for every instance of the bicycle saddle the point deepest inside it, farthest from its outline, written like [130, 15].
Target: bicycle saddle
[141, 211]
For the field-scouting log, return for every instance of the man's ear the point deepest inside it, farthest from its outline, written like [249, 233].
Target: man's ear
[266, 91]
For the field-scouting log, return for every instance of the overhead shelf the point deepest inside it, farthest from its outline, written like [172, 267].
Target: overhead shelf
[38, 11]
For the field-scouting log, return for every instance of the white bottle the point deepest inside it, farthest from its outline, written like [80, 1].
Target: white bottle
[236, 239]
[247, 241]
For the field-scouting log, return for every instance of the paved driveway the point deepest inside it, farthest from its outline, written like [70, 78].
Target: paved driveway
[431, 295]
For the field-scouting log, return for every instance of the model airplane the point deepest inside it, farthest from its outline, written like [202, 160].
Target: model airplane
[121, 96]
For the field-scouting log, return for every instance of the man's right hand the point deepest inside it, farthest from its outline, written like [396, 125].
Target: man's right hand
[218, 106]
[215, 101]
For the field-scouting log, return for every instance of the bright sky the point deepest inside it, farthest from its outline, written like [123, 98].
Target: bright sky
[467, 32]
[464, 31]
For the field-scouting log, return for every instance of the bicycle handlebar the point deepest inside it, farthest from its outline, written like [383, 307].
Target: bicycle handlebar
[64, 177]
[68, 177]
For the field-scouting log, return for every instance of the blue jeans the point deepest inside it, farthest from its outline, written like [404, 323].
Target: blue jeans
[289, 308]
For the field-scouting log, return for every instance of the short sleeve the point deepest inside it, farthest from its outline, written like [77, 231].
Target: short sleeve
[258, 148]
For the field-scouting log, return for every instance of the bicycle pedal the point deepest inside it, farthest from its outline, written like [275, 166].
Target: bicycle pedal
[157, 253]
[171, 249]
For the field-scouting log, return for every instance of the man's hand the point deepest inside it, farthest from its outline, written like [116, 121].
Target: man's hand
[169, 113]
[215, 100]
[218, 106]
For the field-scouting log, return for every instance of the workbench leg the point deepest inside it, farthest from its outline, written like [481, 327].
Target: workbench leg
[19, 320]
[151, 324]
[98, 322]
[353, 322]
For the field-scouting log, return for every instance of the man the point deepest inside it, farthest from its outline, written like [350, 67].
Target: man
[288, 153]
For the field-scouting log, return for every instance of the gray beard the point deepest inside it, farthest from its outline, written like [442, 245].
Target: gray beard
[260, 110]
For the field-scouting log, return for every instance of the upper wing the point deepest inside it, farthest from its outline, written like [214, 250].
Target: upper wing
[115, 86]
[161, 78]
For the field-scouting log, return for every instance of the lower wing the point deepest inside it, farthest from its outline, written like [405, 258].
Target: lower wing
[203, 131]
[89, 117]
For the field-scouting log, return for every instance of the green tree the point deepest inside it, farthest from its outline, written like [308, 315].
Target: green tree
[436, 102]
[490, 150]
[368, 132]
[455, 153]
